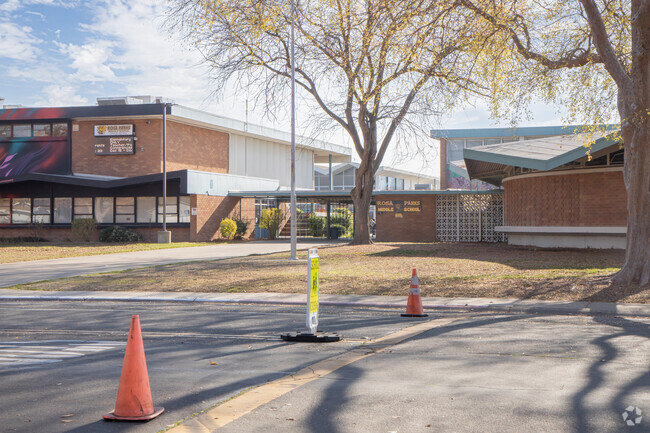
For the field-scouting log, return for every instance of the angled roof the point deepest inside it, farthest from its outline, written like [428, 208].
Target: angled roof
[488, 163]
[525, 131]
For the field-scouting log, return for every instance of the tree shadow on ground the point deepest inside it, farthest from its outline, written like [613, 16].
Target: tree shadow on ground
[518, 257]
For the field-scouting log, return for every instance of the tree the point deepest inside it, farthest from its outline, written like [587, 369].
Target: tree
[586, 52]
[365, 64]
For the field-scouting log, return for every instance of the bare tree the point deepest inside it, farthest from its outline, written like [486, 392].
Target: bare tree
[589, 53]
[366, 64]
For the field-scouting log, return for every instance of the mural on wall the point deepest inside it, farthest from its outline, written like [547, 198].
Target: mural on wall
[22, 157]
[458, 181]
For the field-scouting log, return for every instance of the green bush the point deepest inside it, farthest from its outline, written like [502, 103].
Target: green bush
[242, 227]
[119, 234]
[228, 228]
[22, 239]
[342, 218]
[270, 221]
[316, 225]
[83, 229]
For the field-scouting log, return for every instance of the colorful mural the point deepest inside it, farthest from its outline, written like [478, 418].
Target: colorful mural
[456, 180]
[20, 157]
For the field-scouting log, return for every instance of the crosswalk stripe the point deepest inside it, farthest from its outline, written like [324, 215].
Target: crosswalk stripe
[41, 352]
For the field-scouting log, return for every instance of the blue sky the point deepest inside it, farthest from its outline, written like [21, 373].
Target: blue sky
[69, 52]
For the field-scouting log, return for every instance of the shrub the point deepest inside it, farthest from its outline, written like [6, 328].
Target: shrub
[270, 221]
[83, 229]
[316, 225]
[342, 218]
[228, 228]
[22, 239]
[119, 234]
[242, 227]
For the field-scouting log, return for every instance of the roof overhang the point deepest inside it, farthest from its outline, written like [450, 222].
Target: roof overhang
[490, 163]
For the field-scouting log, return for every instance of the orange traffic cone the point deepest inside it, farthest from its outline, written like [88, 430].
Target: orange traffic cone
[134, 395]
[414, 303]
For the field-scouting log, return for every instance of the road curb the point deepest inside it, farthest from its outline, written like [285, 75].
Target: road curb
[506, 306]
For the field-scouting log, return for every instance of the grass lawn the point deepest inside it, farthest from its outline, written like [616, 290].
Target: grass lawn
[11, 252]
[447, 270]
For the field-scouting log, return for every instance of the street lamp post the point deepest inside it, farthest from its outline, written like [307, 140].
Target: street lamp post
[164, 237]
[293, 139]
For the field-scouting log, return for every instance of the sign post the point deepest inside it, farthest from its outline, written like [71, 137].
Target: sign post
[312, 290]
[312, 335]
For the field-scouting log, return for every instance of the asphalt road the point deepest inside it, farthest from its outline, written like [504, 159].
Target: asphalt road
[482, 372]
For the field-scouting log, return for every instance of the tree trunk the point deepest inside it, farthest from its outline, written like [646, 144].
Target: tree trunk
[634, 108]
[361, 197]
[636, 269]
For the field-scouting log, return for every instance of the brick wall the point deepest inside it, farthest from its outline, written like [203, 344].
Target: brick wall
[413, 226]
[64, 234]
[146, 161]
[204, 226]
[194, 148]
[573, 199]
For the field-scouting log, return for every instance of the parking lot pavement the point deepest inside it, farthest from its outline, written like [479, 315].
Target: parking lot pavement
[454, 372]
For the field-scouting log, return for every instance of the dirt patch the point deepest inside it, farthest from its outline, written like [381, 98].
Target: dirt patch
[446, 270]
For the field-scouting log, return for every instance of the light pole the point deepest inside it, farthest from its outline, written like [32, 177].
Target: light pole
[164, 237]
[293, 140]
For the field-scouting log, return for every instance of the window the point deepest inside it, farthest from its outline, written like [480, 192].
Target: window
[41, 211]
[21, 211]
[83, 207]
[399, 184]
[455, 150]
[172, 209]
[184, 209]
[62, 210]
[5, 130]
[124, 210]
[104, 209]
[489, 141]
[321, 181]
[5, 210]
[473, 143]
[146, 210]
[22, 130]
[60, 129]
[42, 130]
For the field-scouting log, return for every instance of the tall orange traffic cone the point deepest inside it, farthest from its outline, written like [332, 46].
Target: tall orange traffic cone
[414, 303]
[134, 395]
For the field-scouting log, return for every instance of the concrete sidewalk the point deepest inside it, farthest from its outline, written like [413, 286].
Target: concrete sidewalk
[398, 302]
[39, 270]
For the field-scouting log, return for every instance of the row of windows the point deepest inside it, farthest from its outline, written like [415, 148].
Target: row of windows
[455, 147]
[105, 210]
[344, 181]
[22, 130]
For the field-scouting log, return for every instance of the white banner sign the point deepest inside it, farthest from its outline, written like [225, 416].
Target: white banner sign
[103, 130]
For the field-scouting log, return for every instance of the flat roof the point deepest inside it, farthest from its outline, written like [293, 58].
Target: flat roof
[282, 194]
[321, 148]
[524, 131]
[339, 167]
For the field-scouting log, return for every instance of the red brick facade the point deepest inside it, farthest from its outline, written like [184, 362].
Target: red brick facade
[412, 226]
[145, 161]
[571, 199]
[204, 226]
[194, 148]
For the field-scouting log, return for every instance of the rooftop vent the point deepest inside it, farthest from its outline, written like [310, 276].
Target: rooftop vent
[133, 100]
